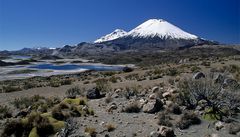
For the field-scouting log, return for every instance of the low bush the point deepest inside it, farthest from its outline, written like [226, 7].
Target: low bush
[10, 88]
[195, 69]
[58, 114]
[131, 91]
[29, 85]
[42, 124]
[188, 119]
[5, 112]
[175, 109]
[172, 72]
[133, 107]
[73, 92]
[23, 102]
[33, 125]
[13, 127]
[234, 128]
[102, 85]
[54, 82]
[66, 82]
[164, 119]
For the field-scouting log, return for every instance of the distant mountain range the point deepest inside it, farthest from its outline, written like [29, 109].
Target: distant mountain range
[152, 35]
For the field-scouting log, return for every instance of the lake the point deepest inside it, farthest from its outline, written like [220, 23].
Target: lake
[76, 67]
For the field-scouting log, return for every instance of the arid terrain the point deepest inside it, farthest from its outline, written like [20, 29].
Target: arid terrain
[198, 97]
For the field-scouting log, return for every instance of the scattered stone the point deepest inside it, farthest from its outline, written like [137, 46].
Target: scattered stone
[152, 106]
[154, 134]
[112, 107]
[135, 116]
[155, 89]
[166, 131]
[198, 75]
[115, 95]
[172, 90]
[230, 82]
[152, 96]
[168, 103]
[214, 135]
[142, 102]
[127, 69]
[167, 94]
[218, 78]
[219, 125]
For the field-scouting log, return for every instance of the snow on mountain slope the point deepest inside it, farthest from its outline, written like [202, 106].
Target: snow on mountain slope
[114, 35]
[159, 28]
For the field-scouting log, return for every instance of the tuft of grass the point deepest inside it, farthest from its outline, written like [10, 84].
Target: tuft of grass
[91, 131]
[110, 127]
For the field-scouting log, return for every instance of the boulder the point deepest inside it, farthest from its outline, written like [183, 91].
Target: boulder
[166, 131]
[127, 69]
[94, 93]
[198, 75]
[152, 106]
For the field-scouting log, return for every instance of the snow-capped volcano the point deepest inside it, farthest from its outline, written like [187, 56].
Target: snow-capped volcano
[114, 35]
[159, 28]
[150, 35]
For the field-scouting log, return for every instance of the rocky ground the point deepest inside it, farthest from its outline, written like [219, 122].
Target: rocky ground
[143, 102]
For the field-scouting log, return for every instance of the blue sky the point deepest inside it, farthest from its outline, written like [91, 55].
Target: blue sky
[54, 23]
